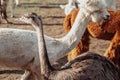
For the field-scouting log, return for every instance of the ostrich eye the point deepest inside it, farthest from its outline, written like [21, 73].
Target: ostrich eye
[33, 17]
[98, 11]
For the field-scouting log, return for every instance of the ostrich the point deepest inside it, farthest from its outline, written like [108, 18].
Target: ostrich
[21, 44]
[85, 67]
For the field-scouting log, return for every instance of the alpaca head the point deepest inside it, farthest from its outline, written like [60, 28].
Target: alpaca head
[31, 18]
[96, 8]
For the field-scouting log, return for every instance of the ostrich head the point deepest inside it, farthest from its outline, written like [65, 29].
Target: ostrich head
[31, 18]
[96, 8]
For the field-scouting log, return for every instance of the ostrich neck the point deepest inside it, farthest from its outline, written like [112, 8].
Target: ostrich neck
[44, 61]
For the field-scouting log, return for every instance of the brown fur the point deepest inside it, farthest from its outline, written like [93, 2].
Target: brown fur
[109, 30]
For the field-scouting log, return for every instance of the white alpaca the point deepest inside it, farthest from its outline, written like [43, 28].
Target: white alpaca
[72, 5]
[19, 48]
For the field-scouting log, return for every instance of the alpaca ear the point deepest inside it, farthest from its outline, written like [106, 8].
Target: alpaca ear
[84, 1]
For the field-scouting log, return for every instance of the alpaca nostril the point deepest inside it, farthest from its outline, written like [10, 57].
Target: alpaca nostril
[108, 16]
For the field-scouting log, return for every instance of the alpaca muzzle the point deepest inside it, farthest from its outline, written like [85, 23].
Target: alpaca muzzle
[107, 17]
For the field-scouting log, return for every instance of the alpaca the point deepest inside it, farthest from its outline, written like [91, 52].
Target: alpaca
[85, 67]
[3, 8]
[111, 29]
[72, 5]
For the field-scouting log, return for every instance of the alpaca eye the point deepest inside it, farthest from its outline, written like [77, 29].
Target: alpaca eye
[98, 11]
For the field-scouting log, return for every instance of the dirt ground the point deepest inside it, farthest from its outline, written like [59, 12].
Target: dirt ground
[53, 18]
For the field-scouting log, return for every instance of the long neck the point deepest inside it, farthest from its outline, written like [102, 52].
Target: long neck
[77, 30]
[58, 48]
[68, 42]
[44, 61]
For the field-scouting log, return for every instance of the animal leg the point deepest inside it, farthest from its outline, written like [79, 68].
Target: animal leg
[113, 52]
[25, 75]
[12, 7]
[4, 13]
[5, 16]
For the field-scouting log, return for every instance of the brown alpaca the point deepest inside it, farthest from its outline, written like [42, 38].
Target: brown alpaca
[109, 30]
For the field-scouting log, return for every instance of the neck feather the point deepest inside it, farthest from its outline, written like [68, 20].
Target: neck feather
[44, 61]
